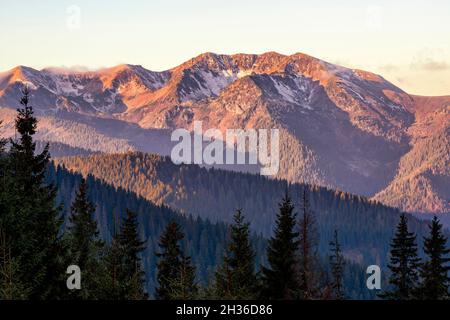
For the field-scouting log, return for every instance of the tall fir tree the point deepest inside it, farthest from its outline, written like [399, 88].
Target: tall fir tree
[337, 264]
[170, 261]
[84, 244]
[4, 184]
[434, 272]
[404, 264]
[132, 247]
[236, 278]
[125, 278]
[112, 287]
[279, 278]
[30, 216]
[308, 259]
[185, 286]
[11, 287]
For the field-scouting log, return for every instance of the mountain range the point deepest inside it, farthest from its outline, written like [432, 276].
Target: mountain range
[341, 128]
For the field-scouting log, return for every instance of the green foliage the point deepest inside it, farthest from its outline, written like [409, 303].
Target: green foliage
[434, 272]
[184, 287]
[169, 264]
[365, 226]
[404, 263]
[132, 247]
[236, 278]
[204, 241]
[29, 215]
[337, 263]
[11, 287]
[309, 268]
[280, 278]
[34, 257]
[84, 244]
[125, 279]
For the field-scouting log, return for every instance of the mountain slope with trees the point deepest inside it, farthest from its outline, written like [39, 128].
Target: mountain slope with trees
[364, 225]
[342, 128]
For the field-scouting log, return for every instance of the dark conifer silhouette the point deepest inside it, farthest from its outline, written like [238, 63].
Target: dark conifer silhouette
[84, 243]
[170, 261]
[308, 260]
[132, 247]
[30, 217]
[434, 272]
[125, 279]
[235, 278]
[279, 278]
[337, 263]
[404, 264]
[185, 286]
[11, 287]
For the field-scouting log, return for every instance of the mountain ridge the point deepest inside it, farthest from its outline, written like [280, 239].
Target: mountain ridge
[343, 128]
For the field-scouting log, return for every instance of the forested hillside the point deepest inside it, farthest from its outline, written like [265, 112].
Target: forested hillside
[366, 226]
[128, 247]
[58, 149]
[204, 242]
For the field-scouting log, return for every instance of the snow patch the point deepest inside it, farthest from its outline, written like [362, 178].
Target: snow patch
[244, 73]
[211, 84]
[299, 94]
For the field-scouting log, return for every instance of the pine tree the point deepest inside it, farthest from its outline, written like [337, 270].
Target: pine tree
[404, 263]
[184, 287]
[435, 270]
[132, 247]
[236, 278]
[84, 243]
[111, 286]
[30, 216]
[308, 264]
[4, 183]
[125, 279]
[279, 278]
[170, 261]
[11, 287]
[337, 268]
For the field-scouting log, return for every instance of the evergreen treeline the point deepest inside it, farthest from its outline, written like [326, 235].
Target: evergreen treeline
[415, 278]
[365, 226]
[128, 248]
[294, 269]
[204, 242]
[58, 149]
[36, 250]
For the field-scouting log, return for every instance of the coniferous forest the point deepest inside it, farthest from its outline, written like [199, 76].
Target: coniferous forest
[56, 223]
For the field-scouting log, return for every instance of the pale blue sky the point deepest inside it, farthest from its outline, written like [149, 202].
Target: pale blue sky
[406, 41]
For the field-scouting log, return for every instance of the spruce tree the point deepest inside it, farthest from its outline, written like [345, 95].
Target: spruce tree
[184, 287]
[132, 247]
[125, 279]
[11, 287]
[170, 261]
[308, 259]
[84, 243]
[236, 278]
[434, 272]
[337, 268]
[111, 286]
[31, 218]
[279, 278]
[4, 184]
[404, 263]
